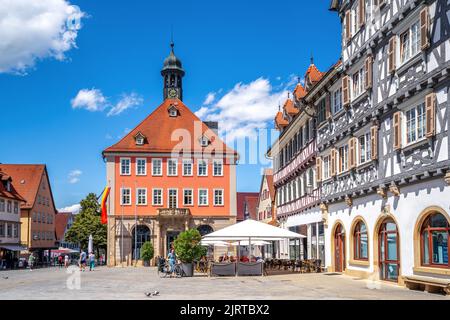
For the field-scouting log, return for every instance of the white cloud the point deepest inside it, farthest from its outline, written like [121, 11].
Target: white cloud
[90, 99]
[245, 108]
[75, 209]
[36, 30]
[74, 176]
[209, 98]
[127, 101]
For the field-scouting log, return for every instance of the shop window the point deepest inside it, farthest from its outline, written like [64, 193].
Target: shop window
[360, 242]
[434, 241]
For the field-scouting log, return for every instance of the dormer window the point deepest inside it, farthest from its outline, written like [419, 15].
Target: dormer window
[8, 186]
[173, 111]
[204, 141]
[140, 139]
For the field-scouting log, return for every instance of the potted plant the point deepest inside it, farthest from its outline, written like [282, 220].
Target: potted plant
[147, 253]
[188, 249]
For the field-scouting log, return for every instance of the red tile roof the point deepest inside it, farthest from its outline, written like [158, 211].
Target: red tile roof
[313, 74]
[300, 91]
[12, 194]
[61, 220]
[243, 197]
[252, 206]
[159, 129]
[27, 179]
[269, 176]
[280, 121]
[290, 108]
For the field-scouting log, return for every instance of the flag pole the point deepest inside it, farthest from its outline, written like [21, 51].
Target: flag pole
[121, 229]
[135, 225]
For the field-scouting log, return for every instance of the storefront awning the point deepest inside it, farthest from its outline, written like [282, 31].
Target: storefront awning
[13, 247]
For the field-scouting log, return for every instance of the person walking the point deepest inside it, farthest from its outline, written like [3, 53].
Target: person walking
[82, 260]
[172, 260]
[91, 261]
[31, 261]
[66, 261]
[60, 261]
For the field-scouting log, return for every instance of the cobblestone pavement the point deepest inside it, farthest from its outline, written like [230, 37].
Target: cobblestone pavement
[133, 283]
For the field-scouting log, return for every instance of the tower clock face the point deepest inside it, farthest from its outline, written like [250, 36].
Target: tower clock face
[173, 93]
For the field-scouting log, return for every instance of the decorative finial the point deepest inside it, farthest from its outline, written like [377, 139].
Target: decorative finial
[289, 95]
[172, 44]
[298, 79]
[312, 58]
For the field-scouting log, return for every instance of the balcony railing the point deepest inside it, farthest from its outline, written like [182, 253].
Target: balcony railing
[299, 205]
[300, 160]
[174, 212]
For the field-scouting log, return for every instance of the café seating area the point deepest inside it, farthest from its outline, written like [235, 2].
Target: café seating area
[299, 266]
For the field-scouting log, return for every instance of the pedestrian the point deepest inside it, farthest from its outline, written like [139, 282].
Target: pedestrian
[82, 260]
[31, 261]
[66, 261]
[91, 261]
[60, 261]
[172, 260]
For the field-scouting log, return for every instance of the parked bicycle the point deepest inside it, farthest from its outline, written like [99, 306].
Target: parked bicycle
[165, 272]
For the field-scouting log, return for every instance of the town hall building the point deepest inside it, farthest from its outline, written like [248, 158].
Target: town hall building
[169, 174]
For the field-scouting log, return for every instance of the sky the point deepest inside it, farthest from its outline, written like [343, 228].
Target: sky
[77, 75]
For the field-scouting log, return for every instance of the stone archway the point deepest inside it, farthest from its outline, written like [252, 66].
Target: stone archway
[205, 229]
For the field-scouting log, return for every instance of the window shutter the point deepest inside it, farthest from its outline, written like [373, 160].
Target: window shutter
[333, 162]
[319, 169]
[352, 153]
[430, 106]
[424, 29]
[347, 26]
[369, 70]
[374, 142]
[345, 91]
[328, 106]
[362, 12]
[397, 130]
[392, 54]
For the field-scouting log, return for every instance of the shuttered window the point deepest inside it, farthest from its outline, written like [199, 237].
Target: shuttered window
[333, 162]
[374, 142]
[343, 159]
[319, 169]
[392, 54]
[424, 29]
[328, 106]
[361, 12]
[368, 73]
[345, 90]
[348, 35]
[430, 105]
[352, 153]
[397, 130]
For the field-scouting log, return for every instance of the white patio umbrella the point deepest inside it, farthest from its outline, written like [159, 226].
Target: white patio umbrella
[215, 243]
[91, 244]
[249, 230]
[254, 243]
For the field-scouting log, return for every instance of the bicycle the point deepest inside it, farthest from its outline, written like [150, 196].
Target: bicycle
[164, 270]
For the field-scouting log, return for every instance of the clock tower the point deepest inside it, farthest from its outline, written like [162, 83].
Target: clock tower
[173, 74]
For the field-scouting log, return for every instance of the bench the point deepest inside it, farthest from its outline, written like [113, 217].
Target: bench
[429, 284]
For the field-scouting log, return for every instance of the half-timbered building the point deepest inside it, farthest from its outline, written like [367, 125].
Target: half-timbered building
[384, 157]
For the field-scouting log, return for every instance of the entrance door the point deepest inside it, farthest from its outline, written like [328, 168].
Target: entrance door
[339, 249]
[170, 238]
[389, 251]
[141, 235]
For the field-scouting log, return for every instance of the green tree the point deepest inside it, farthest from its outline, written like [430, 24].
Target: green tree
[88, 222]
[187, 246]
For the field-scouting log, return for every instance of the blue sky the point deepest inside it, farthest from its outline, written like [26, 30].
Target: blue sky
[232, 49]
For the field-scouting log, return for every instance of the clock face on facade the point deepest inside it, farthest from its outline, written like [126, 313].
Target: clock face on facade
[173, 93]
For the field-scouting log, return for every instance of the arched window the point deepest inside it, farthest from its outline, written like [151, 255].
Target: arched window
[205, 229]
[361, 241]
[434, 241]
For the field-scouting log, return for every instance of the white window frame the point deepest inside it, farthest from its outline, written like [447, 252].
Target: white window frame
[198, 167]
[2, 205]
[367, 148]
[199, 197]
[416, 130]
[161, 197]
[326, 167]
[122, 194]
[411, 52]
[220, 161]
[169, 161]
[336, 93]
[122, 167]
[160, 167]
[168, 197]
[222, 197]
[190, 162]
[137, 166]
[344, 163]
[138, 190]
[360, 86]
[192, 197]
